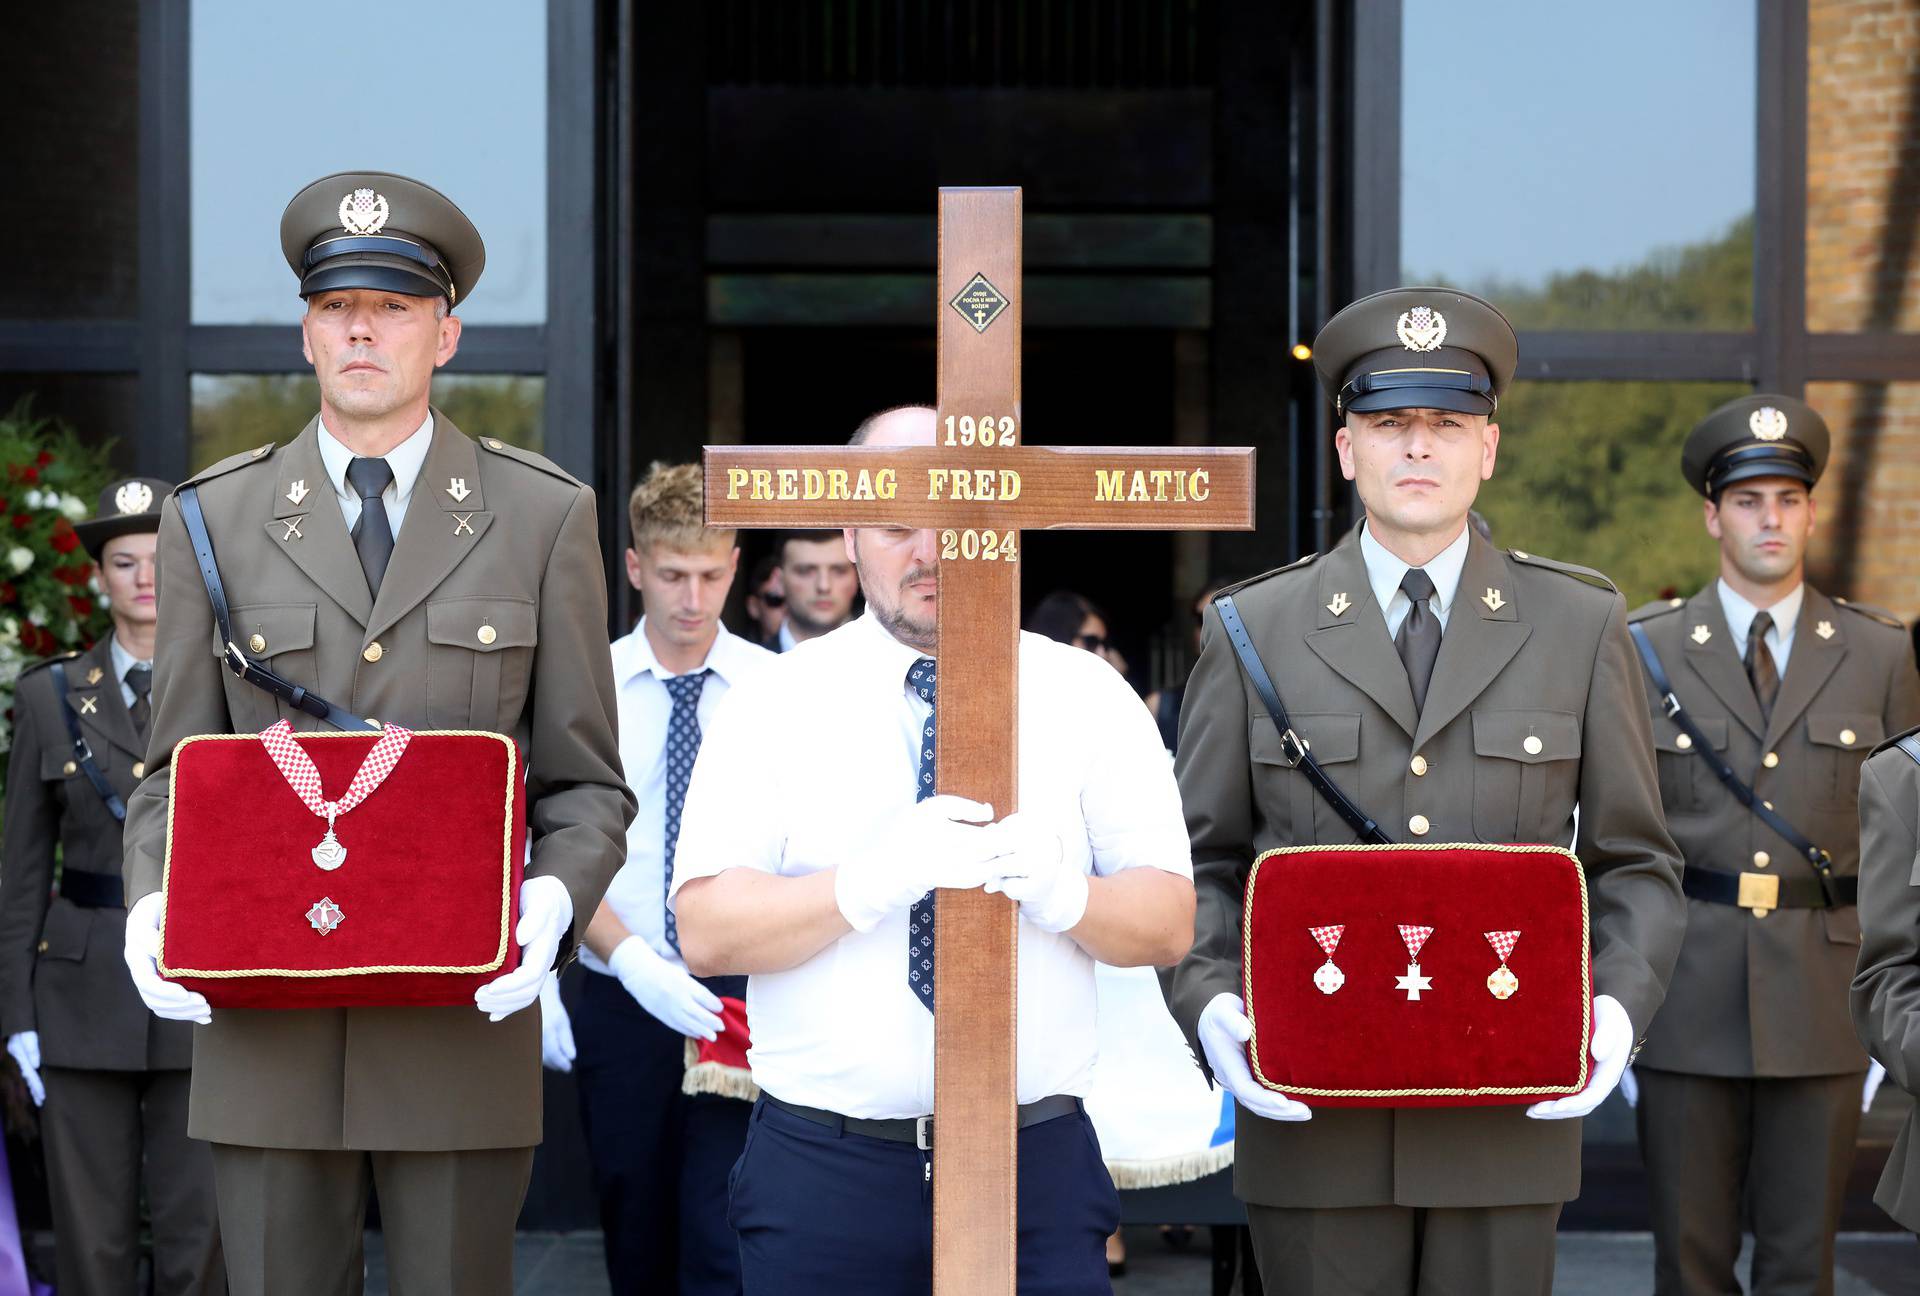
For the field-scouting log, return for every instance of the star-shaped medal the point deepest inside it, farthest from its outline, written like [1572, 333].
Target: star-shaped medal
[1413, 983]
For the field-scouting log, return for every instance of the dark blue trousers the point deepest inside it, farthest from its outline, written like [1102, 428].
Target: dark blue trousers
[826, 1214]
[660, 1158]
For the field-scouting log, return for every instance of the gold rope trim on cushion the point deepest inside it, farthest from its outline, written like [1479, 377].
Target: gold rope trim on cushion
[1586, 976]
[506, 872]
[716, 1078]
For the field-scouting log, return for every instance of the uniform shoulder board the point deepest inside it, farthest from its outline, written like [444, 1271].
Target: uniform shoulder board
[1896, 738]
[1867, 610]
[231, 462]
[1295, 565]
[1579, 573]
[529, 458]
[1659, 607]
[44, 662]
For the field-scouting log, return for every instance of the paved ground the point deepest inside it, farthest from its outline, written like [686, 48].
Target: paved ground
[1591, 1264]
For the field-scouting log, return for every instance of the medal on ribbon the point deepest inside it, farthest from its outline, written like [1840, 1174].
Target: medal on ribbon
[1413, 982]
[1329, 978]
[301, 775]
[1501, 982]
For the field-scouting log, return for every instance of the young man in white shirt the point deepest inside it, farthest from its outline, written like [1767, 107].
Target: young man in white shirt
[822, 885]
[660, 1157]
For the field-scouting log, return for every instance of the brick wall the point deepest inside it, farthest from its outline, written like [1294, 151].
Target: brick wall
[1863, 276]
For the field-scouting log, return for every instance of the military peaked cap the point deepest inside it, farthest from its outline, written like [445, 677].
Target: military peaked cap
[1417, 348]
[127, 507]
[373, 229]
[1755, 436]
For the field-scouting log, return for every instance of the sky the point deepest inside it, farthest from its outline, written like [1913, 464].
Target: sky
[450, 92]
[1540, 136]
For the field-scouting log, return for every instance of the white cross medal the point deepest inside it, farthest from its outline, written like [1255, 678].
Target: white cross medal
[1501, 982]
[1413, 982]
[1329, 978]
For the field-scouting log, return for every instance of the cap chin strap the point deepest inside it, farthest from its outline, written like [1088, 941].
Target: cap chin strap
[1397, 379]
[1790, 457]
[419, 253]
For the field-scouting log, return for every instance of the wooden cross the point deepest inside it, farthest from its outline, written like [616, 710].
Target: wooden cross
[980, 485]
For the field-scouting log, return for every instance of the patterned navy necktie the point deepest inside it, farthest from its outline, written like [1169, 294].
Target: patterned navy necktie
[683, 744]
[920, 678]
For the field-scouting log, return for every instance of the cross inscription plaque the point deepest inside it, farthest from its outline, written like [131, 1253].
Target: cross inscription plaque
[979, 486]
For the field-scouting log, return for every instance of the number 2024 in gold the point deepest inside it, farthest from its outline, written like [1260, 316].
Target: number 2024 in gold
[984, 546]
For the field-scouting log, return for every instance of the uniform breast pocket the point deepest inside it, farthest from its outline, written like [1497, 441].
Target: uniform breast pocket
[281, 636]
[1841, 741]
[1686, 784]
[479, 661]
[1526, 770]
[1334, 740]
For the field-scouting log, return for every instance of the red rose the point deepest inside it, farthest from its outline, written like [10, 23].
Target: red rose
[82, 607]
[7, 592]
[21, 521]
[65, 541]
[44, 458]
[30, 474]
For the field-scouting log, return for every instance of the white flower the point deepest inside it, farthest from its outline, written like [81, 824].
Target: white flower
[10, 627]
[93, 583]
[35, 499]
[36, 616]
[74, 508]
[19, 558]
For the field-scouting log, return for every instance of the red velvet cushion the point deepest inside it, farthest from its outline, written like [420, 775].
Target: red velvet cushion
[430, 889]
[1368, 1044]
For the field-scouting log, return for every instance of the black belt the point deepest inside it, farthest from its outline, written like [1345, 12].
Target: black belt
[92, 890]
[918, 1130]
[1765, 892]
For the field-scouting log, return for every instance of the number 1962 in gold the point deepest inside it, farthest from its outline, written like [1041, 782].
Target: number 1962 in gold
[984, 546]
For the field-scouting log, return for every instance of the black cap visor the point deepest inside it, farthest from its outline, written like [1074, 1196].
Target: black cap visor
[1772, 459]
[95, 532]
[379, 271]
[1447, 389]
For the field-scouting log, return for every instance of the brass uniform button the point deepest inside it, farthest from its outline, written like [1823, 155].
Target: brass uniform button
[1520, 553]
[1761, 913]
[1532, 745]
[488, 634]
[1772, 760]
[43, 947]
[1684, 742]
[258, 643]
[1847, 736]
[1675, 602]
[373, 651]
[1419, 766]
[139, 769]
[493, 444]
[1418, 825]
[1761, 859]
[261, 450]
[69, 768]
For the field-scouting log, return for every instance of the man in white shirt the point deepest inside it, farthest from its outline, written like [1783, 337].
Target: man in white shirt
[1751, 1082]
[660, 1157]
[821, 882]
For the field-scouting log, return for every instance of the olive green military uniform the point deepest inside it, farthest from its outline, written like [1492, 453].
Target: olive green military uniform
[491, 615]
[1750, 1079]
[115, 1076]
[1886, 987]
[1534, 707]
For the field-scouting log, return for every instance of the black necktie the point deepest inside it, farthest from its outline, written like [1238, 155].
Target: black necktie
[372, 534]
[683, 745]
[1760, 667]
[1418, 642]
[921, 678]
[140, 680]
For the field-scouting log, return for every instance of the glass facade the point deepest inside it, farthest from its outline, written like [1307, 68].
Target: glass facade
[1614, 190]
[103, 409]
[450, 92]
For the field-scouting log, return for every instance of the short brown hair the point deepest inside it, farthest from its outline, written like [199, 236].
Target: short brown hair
[668, 508]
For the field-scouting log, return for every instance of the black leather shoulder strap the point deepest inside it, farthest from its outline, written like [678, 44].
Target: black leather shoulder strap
[82, 753]
[1818, 859]
[238, 662]
[1292, 747]
[1910, 744]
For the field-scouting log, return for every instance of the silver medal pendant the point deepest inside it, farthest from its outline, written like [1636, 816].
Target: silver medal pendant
[1329, 978]
[329, 854]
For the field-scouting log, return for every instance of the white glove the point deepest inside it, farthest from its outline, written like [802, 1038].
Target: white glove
[932, 843]
[1875, 1074]
[556, 1028]
[1612, 1046]
[668, 993]
[1224, 1032]
[164, 998]
[25, 1047]
[1034, 871]
[546, 911]
[1630, 1087]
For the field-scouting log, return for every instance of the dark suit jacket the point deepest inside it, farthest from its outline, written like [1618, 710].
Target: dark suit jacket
[1532, 650]
[61, 970]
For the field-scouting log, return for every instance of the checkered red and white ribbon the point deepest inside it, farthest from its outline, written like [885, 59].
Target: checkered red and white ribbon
[1415, 937]
[1502, 943]
[298, 768]
[1327, 938]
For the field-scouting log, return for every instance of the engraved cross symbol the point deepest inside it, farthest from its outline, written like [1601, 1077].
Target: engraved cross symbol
[292, 525]
[463, 524]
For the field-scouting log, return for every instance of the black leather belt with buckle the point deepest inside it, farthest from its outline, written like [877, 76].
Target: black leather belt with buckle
[917, 1130]
[92, 890]
[1765, 892]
